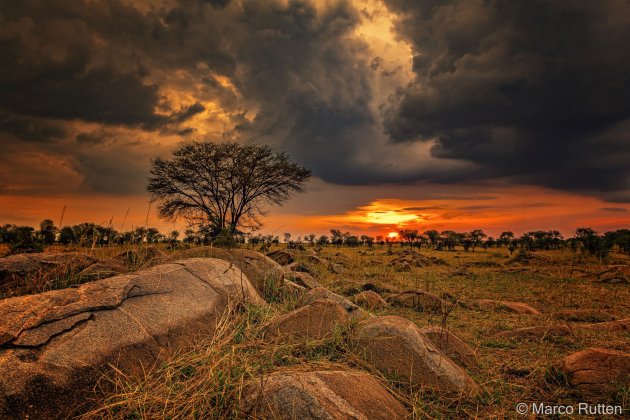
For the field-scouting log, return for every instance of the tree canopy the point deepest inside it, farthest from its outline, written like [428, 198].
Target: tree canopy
[224, 186]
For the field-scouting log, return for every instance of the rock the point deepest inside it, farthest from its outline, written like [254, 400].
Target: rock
[583, 315]
[315, 321]
[596, 372]
[354, 312]
[403, 267]
[282, 256]
[264, 273]
[59, 343]
[538, 333]
[397, 348]
[417, 299]
[452, 346]
[530, 258]
[379, 287]
[299, 267]
[102, 269]
[314, 259]
[619, 325]
[333, 394]
[516, 307]
[14, 269]
[460, 271]
[370, 300]
[303, 279]
[294, 289]
[336, 268]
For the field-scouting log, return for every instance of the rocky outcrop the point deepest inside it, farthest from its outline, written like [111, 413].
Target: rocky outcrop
[59, 343]
[503, 305]
[452, 346]
[331, 394]
[299, 267]
[370, 300]
[417, 299]
[399, 349]
[596, 372]
[265, 274]
[315, 321]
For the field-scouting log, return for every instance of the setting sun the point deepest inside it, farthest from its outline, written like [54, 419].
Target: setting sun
[392, 235]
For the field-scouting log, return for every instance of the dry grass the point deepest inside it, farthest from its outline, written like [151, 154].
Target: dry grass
[206, 380]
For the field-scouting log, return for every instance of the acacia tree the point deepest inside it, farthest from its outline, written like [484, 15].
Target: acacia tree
[223, 187]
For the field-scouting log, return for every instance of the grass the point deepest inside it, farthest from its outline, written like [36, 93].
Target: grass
[206, 380]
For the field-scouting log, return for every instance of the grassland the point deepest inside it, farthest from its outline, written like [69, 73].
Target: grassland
[206, 380]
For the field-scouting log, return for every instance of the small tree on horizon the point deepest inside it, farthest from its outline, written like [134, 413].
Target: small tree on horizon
[225, 186]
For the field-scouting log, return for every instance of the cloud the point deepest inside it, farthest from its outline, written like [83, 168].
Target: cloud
[535, 91]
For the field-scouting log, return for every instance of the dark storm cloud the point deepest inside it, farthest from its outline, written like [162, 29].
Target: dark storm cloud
[535, 90]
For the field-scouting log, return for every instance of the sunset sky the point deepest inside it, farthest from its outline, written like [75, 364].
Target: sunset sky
[500, 115]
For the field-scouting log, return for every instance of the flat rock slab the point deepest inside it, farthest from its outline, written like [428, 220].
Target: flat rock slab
[399, 349]
[596, 372]
[584, 315]
[452, 346]
[504, 305]
[321, 395]
[538, 333]
[417, 299]
[618, 325]
[59, 343]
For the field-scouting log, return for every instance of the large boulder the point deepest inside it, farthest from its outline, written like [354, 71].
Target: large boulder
[417, 299]
[508, 306]
[54, 346]
[332, 394]
[596, 372]
[315, 321]
[399, 349]
[265, 274]
[14, 269]
[452, 346]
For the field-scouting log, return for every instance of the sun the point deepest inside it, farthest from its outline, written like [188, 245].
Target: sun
[392, 235]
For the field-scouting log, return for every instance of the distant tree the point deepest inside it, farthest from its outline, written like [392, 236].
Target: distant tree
[506, 237]
[47, 231]
[379, 240]
[66, 236]
[323, 240]
[336, 237]
[287, 237]
[224, 186]
[433, 236]
[352, 241]
[476, 236]
[620, 238]
[311, 238]
[408, 235]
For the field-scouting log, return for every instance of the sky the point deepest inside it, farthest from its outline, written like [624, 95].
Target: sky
[499, 115]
